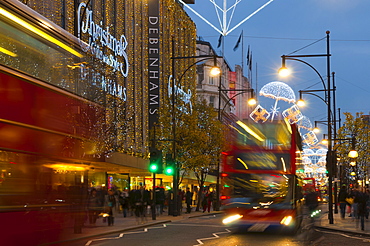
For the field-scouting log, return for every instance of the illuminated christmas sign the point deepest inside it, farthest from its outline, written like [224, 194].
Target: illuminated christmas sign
[181, 94]
[100, 38]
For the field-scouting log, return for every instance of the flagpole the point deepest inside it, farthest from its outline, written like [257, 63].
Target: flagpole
[250, 65]
[250, 74]
[223, 45]
[249, 71]
[256, 78]
[242, 53]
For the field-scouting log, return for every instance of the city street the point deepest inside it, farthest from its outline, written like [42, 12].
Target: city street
[208, 230]
[205, 230]
[135, 123]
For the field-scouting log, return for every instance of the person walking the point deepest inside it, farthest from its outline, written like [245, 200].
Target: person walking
[361, 199]
[142, 199]
[124, 202]
[94, 206]
[311, 200]
[355, 195]
[188, 200]
[207, 201]
[111, 206]
[367, 193]
[342, 196]
[195, 196]
[160, 198]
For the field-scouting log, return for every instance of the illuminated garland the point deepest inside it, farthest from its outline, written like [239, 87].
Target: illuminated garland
[127, 122]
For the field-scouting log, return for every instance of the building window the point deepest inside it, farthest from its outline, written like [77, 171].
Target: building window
[200, 73]
[212, 101]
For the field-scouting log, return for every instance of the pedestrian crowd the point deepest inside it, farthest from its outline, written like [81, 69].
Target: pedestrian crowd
[355, 203]
[108, 204]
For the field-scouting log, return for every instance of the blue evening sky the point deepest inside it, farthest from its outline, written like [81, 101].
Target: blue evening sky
[285, 26]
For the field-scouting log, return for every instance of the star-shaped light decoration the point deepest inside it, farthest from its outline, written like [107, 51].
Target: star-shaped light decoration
[310, 138]
[260, 114]
[293, 114]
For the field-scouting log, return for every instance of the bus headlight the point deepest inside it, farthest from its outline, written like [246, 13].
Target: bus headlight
[232, 218]
[286, 220]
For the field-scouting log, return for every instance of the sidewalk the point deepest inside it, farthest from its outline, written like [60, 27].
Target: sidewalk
[348, 224]
[122, 224]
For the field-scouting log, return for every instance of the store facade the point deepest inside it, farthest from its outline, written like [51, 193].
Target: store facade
[76, 85]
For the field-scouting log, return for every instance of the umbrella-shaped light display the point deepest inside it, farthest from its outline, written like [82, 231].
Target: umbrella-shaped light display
[305, 124]
[305, 129]
[278, 91]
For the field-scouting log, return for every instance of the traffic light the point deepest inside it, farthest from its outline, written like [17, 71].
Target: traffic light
[155, 161]
[328, 165]
[170, 165]
[334, 164]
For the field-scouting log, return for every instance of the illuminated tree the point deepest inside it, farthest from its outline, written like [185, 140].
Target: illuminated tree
[201, 143]
[200, 139]
[359, 128]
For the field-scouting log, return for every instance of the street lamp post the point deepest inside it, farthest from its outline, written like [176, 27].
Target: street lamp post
[327, 90]
[336, 173]
[353, 152]
[214, 72]
[176, 175]
[251, 100]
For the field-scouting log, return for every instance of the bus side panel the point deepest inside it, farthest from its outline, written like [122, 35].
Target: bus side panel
[38, 120]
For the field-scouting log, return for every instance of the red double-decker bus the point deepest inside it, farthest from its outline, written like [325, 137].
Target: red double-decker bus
[262, 177]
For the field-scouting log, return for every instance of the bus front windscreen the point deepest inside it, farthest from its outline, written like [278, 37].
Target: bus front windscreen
[262, 161]
[264, 190]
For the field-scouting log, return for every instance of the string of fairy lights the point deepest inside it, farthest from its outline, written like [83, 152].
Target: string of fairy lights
[126, 121]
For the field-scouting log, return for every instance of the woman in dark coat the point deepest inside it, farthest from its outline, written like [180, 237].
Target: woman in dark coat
[342, 195]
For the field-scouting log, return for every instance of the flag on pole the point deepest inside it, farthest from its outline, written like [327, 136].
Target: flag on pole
[248, 55]
[219, 41]
[238, 42]
[249, 58]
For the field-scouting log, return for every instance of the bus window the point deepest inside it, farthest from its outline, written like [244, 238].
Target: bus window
[262, 161]
[260, 189]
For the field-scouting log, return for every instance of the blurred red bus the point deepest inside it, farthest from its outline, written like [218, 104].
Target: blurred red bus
[261, 177]
[309, 184]
[50, 129]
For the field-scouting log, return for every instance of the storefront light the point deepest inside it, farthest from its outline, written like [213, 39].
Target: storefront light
[37, 31]
[65, 167]
[7, 52]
